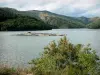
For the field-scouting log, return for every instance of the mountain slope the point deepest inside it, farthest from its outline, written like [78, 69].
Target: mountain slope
[95, 24]
[42, 20]
[57, 21]
[11, 20]
[84, 20]
[5, 14]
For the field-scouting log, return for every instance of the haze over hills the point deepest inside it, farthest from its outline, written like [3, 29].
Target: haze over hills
[12, 19]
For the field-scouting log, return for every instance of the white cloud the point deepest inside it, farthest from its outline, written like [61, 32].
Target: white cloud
[37, 4]
[67, 7]
[49, 6]
[92, 13]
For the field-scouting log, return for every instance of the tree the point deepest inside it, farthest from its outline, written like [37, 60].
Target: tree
[66, 58]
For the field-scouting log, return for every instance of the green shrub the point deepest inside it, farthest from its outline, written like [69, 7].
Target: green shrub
[7, 71]
[65, 58]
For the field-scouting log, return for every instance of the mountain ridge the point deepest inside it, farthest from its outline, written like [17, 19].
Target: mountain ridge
[50, 19]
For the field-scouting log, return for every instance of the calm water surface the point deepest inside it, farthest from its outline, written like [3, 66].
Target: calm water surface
[19, 50]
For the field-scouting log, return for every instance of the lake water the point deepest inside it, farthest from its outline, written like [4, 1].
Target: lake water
[19, 50]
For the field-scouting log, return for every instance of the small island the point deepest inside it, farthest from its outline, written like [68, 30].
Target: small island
[39, 34]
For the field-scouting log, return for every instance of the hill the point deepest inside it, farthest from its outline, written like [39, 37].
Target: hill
[84, 20]
[57, 21]
[11, 20]
[95, 24]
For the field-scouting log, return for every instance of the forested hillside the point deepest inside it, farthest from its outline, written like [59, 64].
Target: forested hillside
[23, 23]
[5, 14]
[57, 21]
[84, 20]
[12, 19]
[95, 24]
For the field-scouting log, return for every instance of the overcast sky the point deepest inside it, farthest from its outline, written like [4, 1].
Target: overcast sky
[88, 8]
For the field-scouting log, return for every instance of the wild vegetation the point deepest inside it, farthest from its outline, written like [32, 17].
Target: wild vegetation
[65, 58]
[7, 70]
[23, 23]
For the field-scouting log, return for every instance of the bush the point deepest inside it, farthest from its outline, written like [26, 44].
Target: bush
[66, 58]
[7, 71]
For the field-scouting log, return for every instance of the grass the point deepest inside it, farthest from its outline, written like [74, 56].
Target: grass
[6, 70]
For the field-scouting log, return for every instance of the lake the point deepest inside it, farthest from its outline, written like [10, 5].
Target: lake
[19, 50]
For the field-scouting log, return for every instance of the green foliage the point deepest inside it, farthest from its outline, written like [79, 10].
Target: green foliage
[6, 14]
[95, 24]
[5, 70]
[8, 71]
[65, 58]
[24, 23]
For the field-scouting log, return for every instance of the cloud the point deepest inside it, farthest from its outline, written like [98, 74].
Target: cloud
[78, 8]
[64, 7]
[92, 13]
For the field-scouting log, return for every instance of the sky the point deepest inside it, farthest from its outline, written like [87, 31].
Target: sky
[75, 8]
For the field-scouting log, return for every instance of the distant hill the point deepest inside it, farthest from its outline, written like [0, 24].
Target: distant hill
[94, 19]
[95, 24]
[12, 19]
[57, 21]
[84, 20]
